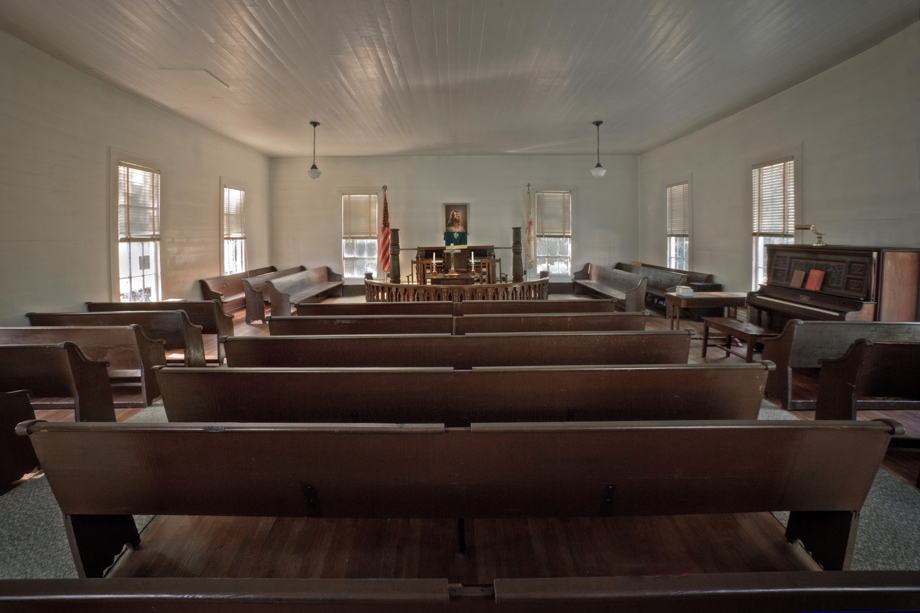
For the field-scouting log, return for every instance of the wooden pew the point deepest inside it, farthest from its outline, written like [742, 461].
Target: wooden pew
[512, 307]
[773, 592]
[550, 322]
[300, 287]
[16, 458]
[461, 397]
[803, 344]
[130, 355]
[819, 471]
[360, 324]
[461, 352]
[347, 309]
[205, 313]
[58, 377]
[624, 288]
[229, 288]
[173, 327]
[256, 291]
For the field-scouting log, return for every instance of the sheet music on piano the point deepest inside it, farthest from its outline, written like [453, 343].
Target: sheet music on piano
[860, 284]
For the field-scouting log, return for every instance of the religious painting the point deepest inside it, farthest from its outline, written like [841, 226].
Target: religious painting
[456, 223]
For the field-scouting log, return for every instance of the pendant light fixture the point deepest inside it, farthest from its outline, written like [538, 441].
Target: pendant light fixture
[598, 171]
[314, 172]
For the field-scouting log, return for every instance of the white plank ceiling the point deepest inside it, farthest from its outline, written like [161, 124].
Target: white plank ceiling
[416, 77]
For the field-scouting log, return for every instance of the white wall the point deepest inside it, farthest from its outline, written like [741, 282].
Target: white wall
[57, 125]
[856, 132]
[307, 213]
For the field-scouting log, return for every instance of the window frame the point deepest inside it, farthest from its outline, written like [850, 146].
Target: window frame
[116, 158]
[688, 221]
[538, 232]
[362, 191]
[783, 236]
[228, 183]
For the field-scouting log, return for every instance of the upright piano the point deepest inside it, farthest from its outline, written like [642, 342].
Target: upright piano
[860, 284]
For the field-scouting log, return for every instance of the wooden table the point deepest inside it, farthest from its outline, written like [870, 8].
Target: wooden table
[749, 333]
[726, 300]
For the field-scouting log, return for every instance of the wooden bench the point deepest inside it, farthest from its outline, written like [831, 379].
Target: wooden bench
[514, 307]
[58, 377]
[776, 592]
[300, 287]
[699, 281]
[256, 291]
[347, 309]
[16, 459]
[461, 397]
[205, 313]
[229, 288]
[819, 471]
[624, 288]
[803, 344]
[732, 328]
[660, 280]
[461, 352]
[173, 327]
[130, 355]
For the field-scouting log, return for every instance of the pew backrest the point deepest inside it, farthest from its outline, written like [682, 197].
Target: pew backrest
[173, 327]
[461, 397]
[127, 350]
[550, 322]
[460, 352]
[488, 470]
[257, 294]
[229, 288]
[513, 307]
[660, 280]
[803, 344]
[348, 309]
[58, 376]
[360, 324]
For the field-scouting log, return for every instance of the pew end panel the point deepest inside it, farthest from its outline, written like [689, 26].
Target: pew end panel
[17, 457]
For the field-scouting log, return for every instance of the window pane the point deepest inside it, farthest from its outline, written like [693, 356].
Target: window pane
[234, 256]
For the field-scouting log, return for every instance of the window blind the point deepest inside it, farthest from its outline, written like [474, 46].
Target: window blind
[554, 214]
[678, 219]
[138, 203]
[233, 213]
[359, 216]
[774, 198]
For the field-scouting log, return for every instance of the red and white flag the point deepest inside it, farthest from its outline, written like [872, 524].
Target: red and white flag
[383, 238]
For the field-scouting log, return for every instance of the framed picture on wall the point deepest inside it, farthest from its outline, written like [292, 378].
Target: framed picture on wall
[457, 217]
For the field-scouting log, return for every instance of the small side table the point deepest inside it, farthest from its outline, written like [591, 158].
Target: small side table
[730, 326]
[674, 303]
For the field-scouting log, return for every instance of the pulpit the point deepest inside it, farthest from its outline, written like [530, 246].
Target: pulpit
[478, 260]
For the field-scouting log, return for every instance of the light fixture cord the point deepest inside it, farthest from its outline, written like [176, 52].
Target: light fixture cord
[598, 143]
[314, 146]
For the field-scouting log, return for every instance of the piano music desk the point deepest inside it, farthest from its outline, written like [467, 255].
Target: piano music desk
[726, 300]
[749, 333]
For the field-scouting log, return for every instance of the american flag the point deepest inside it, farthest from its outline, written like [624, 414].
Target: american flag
[383, 253]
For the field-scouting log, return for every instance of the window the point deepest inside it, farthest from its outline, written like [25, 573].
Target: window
[359, 234]
[679, 226]
[234, 237]
[138, 233]
[554, 232]
[774, 211]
